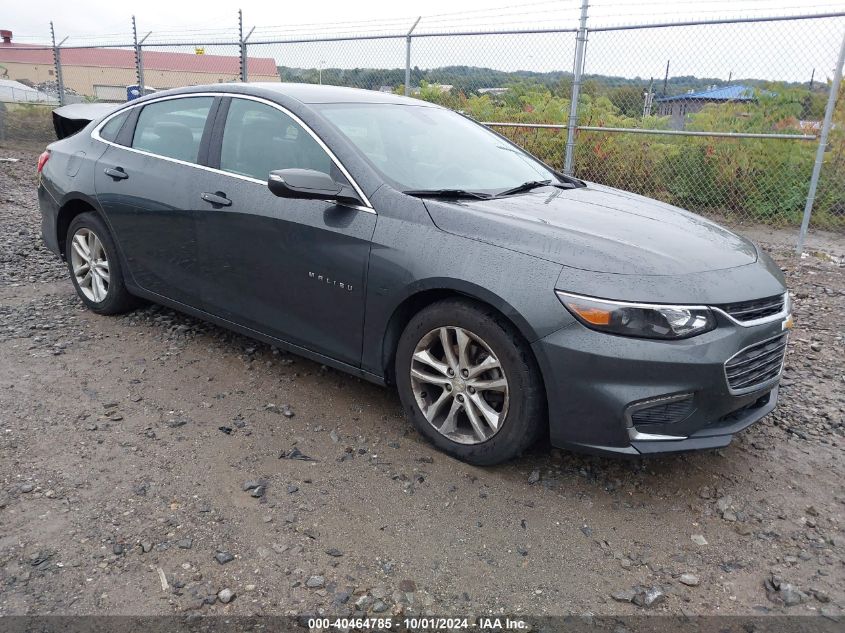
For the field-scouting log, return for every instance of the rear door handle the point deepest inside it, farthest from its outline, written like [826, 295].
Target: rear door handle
[218, 198]
[117, 173]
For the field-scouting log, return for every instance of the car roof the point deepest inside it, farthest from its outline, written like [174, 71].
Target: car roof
[305, 93]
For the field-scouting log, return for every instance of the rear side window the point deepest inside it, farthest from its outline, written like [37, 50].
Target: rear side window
[173, 128]
[258, 139]
[111, 129]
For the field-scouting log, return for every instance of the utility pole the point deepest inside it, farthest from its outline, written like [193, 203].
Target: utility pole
[812, 78]
[666, 77]
[578, 70]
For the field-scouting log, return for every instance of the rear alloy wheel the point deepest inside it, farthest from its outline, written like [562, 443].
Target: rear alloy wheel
[90, 265]
[95, 267]
[469, 382]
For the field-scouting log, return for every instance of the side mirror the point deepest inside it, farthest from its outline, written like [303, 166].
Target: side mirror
[308, 184]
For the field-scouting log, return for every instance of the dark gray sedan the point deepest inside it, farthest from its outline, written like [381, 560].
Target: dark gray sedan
[404, 243]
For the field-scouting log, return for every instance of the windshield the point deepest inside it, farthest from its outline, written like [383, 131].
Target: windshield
[425, 148]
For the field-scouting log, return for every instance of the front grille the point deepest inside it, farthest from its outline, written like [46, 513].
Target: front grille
[756, 365]
[745, 311]
[663, 412]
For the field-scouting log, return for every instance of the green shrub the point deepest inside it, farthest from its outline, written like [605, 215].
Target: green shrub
[764, 180]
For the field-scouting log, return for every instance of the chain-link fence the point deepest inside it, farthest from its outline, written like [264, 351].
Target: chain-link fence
[376, 63]
[26, 101]
[172, 66]
[722, 116]
[695, 79]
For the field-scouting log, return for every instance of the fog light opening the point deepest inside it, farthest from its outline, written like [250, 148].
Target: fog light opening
[661, 411]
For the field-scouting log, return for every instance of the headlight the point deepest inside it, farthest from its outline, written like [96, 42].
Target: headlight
[639, 319]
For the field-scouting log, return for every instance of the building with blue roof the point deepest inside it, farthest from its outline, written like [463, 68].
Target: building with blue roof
[679, 106]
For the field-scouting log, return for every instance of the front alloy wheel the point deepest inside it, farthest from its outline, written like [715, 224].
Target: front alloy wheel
[469, 382]
[90, 265]
[459, 385]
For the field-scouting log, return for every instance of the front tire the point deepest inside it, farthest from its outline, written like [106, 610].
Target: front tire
[469, 382]
[94, 266]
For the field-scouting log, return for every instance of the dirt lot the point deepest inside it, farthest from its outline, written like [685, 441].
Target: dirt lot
[126, 445]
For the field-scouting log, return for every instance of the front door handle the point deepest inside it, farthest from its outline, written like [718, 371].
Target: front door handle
[117, 173]
[218, 199]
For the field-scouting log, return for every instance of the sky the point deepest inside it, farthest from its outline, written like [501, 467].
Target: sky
[776, 50]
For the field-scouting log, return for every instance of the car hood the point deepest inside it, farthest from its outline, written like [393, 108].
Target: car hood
[597, 228]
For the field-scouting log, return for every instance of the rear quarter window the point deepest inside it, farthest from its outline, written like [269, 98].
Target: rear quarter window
[111, 129]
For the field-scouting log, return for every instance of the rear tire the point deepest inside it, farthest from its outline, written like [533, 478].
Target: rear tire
[94, 266]
[469, 382]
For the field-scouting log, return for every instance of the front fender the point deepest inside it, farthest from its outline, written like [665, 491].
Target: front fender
[411, 259]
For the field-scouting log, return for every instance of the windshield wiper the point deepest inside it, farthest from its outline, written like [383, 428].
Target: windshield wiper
[533, 184]
[447, 193]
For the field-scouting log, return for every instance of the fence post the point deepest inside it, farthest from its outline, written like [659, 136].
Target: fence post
[245, 55]
[577, 71]
[242, 45]
[57, 62]
[408, 57]
[817, 167]
[139, 62]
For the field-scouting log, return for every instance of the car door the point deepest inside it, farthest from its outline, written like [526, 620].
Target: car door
[146, 184]
[292, 269]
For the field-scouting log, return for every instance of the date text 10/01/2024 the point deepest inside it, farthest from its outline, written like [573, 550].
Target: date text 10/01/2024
[414, 624]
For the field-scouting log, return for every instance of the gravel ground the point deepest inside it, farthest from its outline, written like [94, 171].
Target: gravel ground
[155, 464]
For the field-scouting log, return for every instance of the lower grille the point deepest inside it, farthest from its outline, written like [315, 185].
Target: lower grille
[734, 416]
[667, 412]
[756, 365]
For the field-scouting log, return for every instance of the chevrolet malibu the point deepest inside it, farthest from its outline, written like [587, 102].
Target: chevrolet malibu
[411, 246]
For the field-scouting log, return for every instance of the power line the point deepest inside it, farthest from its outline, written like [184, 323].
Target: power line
[726, 13]
[426, 21]
[469, 20]
[486, 12]
[674, 3]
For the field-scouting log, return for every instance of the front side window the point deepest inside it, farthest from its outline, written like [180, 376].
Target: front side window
[173, 128]
[420, 147]
[259, 138]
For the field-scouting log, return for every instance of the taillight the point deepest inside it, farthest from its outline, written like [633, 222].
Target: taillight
[42, 160]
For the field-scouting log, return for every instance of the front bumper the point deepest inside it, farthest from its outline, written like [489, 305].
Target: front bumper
[595, 382]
